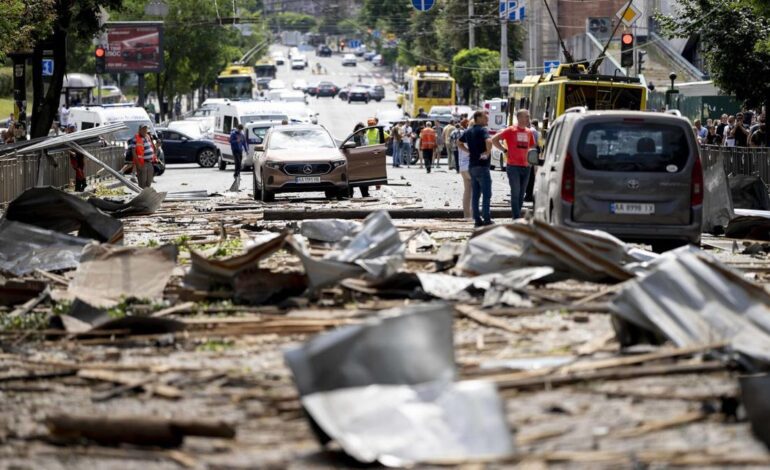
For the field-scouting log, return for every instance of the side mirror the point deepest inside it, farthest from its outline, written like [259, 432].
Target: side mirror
[259, 148]
[533, 157]
[350, 144]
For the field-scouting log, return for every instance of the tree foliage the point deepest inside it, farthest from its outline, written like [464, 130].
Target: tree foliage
[23, 22]
[294, 21]
[476, 72]
[735, 40]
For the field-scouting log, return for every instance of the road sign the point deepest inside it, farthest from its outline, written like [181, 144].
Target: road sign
[505, 78]
[519, 70]
[47, 67]
[423, 5]
[376, 34]
[354, 43]
[630, 15]
[550, 66]
[512, 10]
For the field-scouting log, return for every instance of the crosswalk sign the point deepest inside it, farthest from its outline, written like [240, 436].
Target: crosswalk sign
[47, 67]
[550, 66]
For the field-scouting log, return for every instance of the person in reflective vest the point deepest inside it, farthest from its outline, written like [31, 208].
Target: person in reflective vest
[428, 144]
[145, 155]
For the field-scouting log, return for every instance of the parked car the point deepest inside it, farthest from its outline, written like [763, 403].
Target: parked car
[300, 158]
[633, 174]
[377, 93]
[369, 55]
[323, 51]
[311, 88]
[377, 60]
[360, 50]
[183, 148]
[349, 59]
[358, 93]
[327, 89]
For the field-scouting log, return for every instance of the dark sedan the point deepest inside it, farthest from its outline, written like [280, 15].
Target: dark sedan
[358, 94]
[323, 51]
[327, 89]
[181, 148]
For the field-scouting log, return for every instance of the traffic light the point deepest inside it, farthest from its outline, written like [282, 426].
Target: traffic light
[100, 56]
[627, 50]
[640, 56]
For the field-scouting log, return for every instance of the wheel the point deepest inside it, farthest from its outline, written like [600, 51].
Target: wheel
[364, 191]
[206, 158]
[330, 194]
[222, 163]
[266, 196]
[257, 194]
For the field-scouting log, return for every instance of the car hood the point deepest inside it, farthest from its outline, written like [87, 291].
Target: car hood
[305, 155]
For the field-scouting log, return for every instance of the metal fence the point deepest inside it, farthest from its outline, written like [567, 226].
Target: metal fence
[26, 170]
[752, 161]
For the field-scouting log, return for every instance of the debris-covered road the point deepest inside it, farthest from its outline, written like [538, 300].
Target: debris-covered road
[411, 341]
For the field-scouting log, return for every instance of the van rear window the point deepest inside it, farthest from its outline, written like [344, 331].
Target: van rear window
[632, 146]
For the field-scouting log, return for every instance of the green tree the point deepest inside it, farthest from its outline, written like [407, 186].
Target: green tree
[476, 72]
[735, 40]
[24, 22]
[294, 21]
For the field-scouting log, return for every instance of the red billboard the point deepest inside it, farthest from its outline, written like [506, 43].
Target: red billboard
[134, 47]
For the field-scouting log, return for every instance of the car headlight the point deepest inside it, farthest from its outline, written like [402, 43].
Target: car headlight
[273, 165]
[338, 163]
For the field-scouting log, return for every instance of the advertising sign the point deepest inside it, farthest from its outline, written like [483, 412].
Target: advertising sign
[134, 47]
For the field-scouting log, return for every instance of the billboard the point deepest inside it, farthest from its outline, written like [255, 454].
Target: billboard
[134, 47]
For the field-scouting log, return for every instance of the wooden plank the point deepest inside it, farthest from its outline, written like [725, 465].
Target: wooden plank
[485, 319]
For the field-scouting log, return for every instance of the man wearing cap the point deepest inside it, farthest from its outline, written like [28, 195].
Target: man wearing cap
[77, 162]
[145, 155]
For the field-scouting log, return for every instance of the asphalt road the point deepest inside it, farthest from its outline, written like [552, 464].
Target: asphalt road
[439, 189]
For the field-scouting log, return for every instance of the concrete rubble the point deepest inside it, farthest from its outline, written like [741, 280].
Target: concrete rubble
[219, 337]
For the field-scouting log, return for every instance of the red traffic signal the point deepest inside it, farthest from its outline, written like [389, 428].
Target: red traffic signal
[627, 39]
[99, 52]
[100, 57]
[627, 50]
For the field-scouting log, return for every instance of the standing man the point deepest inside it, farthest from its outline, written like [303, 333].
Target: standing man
[77, 162]
[477, 143]
[144, 155]
[518, 140]
[421, 113]
[395, 135]
[178, 109]
[238, 144]
[450, 153]
[64, 116]
[406, 143]
[428, 144]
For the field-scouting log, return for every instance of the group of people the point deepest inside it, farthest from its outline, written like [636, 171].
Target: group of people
[744, 129]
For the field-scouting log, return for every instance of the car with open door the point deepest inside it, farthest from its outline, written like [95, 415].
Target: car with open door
[305, 158]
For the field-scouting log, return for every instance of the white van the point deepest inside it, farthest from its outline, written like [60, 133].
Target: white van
[88, 117]
[292, 96]
[229, 114]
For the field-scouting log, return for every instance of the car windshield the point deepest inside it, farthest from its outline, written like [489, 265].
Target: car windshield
[434, 88]
[133, 128]
[235, 87]
[300, 138]
[633, 146]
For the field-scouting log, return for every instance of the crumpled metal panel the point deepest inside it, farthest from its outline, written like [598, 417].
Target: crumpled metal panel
[25, 248]
[53, 209]
[693, 299]
[585, 255]
[378, 237]
[448, 287]
[755, 396]
[409, 345]
[146, 202]
[328, 230]
[401, 425]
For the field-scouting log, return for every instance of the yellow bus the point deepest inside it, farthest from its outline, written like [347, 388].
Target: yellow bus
[265, 68]
[548, 96]
[427, 86]
[237, 82]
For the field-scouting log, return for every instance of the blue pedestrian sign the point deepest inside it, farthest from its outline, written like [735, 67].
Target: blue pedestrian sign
[423, 5]
[354, 44]
[512, 10]
[47, 67]
[550, 66]
[376, 34]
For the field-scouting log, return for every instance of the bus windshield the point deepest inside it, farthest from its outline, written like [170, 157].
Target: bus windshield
[265, 71]
[434, 88]
[235, 87]
[599, 97]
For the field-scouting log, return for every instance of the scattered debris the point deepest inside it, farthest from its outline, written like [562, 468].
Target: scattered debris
[749, 192]
[755, 395]
[328, 230]
[145, 203]
[25, 248]
[53, 209]
[717, 202]
[749, 224]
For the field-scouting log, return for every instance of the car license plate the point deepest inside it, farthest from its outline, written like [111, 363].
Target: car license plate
[308, 179]
[633, 208]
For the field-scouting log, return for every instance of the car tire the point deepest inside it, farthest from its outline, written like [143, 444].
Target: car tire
[206, 158]
[266, 196]
[257, 193]
[330, 194]
[222, 163]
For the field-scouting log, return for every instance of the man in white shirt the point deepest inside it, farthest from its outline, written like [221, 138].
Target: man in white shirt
[64, 116]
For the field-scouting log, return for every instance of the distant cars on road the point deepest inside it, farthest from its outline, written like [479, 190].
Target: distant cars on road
[323, 51]
[358, 93]
[349, 59]
[327, 89]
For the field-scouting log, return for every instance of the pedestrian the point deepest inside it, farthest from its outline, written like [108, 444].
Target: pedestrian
[712, 138]
[723, 124]
[439, 130]
[64, 116]
[463, 160]
[77, 162]
[700, 131]
[358, 137]
[20, 131]
[421, 113]
[518, 140]
[9, 136]
[477, 143]
[758, 137]
[739, 131]
[451, 154]
[395, 136]
[729, 134]
[178, 109]
[238, 145]
[144, 156]
[373, 134]
[428, 144]
[407, 134]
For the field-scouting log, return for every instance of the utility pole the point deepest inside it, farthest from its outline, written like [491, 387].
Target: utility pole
[471, 29]
[504, 52]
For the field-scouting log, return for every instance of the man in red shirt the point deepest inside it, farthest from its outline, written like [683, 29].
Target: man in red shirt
[518, 140]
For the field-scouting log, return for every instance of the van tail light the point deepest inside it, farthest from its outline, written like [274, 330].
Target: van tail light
[696, 186]
[568, 180]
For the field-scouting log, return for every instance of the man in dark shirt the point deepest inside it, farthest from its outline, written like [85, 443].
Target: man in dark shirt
[477, 143]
